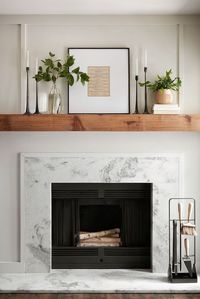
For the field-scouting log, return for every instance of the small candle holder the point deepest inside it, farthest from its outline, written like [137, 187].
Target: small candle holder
[36, 95]
[145, 91]
[136, 94]
[27, 112]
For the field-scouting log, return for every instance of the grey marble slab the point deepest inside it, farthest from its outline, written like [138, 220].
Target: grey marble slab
[93, 281]
[40, 170]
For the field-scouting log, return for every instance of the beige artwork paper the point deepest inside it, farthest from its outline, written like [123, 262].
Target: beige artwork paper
[99, 83]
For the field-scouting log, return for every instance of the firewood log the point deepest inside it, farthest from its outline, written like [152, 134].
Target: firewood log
[99, 245]
[85, 236]
[110, 235]
[101, 240]
[113, 236]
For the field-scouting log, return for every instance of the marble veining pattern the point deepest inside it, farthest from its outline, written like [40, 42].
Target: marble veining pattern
[93, 281]
[39, 171]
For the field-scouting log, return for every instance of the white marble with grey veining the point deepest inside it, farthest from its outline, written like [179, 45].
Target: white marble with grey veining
[93, 281]
[40, 170]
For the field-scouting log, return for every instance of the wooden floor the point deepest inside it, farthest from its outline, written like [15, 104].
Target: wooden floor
[99, 296]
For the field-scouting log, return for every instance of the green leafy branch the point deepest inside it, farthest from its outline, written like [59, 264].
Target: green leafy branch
[53, 69]
[164, 82]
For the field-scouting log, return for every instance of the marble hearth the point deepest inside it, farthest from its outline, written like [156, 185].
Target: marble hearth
[39, 170]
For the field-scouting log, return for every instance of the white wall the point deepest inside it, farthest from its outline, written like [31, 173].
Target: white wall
[164, 40]
[10, 68]
[171, 42]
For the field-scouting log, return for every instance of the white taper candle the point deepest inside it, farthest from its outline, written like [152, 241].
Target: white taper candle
[136, 66]
[27, 58]
[145, 58]
[36, 65]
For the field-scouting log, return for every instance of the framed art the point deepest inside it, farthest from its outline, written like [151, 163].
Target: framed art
[108, 88]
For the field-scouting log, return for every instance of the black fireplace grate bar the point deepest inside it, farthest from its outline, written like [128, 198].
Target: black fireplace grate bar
[100, 190]
[121, 251]
[110, 195]
[69, 251]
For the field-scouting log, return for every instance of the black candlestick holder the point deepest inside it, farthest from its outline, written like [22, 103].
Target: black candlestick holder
[145, 91]
[36, 95]
[27, 112]
[136, 94]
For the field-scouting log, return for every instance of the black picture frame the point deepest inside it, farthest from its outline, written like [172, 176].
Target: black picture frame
[128, 83]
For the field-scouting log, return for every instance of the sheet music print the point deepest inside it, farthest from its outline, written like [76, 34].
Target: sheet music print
[99, 83]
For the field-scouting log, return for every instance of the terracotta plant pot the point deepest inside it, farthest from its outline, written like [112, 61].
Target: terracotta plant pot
[164, 96]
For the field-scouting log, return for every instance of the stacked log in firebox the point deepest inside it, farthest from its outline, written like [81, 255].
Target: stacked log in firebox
[104, 238]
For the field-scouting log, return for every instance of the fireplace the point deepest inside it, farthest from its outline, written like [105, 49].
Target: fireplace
[40, 170]
[101, 225]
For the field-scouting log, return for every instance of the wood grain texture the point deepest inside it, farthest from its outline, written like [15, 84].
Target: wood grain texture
[100, 122]
[99, 296]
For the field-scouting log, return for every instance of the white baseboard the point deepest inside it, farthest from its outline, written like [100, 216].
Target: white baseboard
[12, 267]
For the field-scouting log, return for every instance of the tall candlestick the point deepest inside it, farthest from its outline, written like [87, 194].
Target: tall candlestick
[136, 66]
[136, 94]
[27, 59]
[27, 92]
[145, 92]
[36, 65]
[36, 99]
[36, 87]
[145, 58]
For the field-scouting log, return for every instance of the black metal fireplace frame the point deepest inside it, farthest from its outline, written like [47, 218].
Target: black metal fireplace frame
[72, 257]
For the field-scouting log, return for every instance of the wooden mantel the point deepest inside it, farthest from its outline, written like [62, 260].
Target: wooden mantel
[100, 122]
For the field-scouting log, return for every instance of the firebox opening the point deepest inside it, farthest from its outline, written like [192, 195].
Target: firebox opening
[101, 225]
[95, 218]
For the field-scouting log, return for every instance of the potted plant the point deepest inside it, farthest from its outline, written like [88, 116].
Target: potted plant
[52, 70]
[163, 87]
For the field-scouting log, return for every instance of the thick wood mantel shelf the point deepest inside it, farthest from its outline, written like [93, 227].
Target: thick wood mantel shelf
[100, 122]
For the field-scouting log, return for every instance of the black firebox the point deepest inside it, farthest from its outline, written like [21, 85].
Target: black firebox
[101, 225]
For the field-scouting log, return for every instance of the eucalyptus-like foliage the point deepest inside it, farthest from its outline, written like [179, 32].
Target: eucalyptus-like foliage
[164, 82]
[53, 69]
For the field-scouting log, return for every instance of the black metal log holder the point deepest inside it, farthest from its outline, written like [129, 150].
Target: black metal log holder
[36, 95]
[136, 94]
[175, 272]
[27, 111]
[145, 91]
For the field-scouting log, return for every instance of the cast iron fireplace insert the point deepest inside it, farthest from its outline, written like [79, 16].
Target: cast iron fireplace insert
[82, 208]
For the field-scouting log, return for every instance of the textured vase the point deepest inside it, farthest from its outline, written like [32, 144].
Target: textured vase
[164, 96]
[55, 101]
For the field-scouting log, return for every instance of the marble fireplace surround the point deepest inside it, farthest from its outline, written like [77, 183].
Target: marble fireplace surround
[39, 170]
